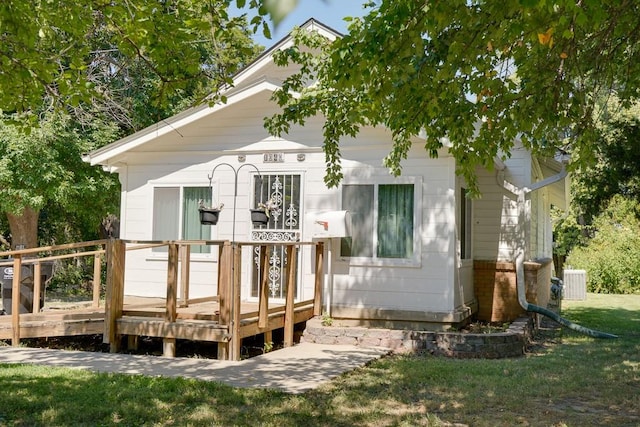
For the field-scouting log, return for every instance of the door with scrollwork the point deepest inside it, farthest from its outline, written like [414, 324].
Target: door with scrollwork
[281, 193]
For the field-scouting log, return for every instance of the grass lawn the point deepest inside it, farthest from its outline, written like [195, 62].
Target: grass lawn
[567, 380]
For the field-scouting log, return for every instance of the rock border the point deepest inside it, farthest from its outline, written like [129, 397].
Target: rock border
[462, 345]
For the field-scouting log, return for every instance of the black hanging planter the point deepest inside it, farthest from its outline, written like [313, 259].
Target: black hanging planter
[259, 217]
[209, 216]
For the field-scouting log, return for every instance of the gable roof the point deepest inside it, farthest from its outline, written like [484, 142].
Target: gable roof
[247, 82]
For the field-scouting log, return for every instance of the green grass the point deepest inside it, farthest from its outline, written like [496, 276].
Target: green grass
[567, 380]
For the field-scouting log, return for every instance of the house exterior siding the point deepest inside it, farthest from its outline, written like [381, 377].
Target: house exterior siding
[435, 284]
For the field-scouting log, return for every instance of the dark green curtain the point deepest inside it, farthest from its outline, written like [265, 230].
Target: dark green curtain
[191, 227]
[395, 221]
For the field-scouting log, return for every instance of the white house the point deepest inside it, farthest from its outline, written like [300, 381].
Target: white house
[410, 257]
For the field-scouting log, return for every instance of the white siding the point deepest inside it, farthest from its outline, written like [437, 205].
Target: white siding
[427, 286]
[190, 158]
[496, 232]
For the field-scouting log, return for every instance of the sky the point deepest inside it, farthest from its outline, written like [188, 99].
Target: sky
[329, 12]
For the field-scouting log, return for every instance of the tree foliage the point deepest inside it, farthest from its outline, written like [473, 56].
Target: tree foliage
[43, 168]
[616, 169]
[46, 50]
[612, 257]
[77, 75]
[474, 75]
[135, 95]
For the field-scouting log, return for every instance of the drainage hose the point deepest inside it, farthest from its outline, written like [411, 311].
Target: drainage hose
[522, 299]
[566, 323]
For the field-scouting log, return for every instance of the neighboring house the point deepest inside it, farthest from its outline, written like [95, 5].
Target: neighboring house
[414, 240]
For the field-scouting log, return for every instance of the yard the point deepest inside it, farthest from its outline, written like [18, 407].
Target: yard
[566, 380]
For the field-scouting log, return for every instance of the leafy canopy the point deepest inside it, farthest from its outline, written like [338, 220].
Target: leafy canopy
[46, 165]
[616, 169]
[472, 74]
[45, 51]
[115, 67]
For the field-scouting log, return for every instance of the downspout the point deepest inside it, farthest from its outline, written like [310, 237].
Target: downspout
[519, 261]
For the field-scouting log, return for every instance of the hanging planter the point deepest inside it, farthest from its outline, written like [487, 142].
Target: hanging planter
[259, 217]
[209, 215]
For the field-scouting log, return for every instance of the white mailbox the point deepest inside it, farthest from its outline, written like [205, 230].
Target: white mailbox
[331, 224]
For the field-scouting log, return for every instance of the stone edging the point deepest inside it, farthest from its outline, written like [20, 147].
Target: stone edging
[511, 343]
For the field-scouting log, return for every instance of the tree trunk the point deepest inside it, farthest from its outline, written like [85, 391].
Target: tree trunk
[24, 228]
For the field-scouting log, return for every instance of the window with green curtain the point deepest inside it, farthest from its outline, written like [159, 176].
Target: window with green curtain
[395, 221]
[191, 227]
[381, 220]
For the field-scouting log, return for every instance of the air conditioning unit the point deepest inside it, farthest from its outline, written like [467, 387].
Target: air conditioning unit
[575, 285]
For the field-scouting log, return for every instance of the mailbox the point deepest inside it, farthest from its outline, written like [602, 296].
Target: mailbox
[331, 224]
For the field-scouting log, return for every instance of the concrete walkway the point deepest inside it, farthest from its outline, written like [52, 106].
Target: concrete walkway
[296, 369]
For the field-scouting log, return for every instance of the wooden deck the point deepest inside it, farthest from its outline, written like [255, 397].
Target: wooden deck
[225, 318]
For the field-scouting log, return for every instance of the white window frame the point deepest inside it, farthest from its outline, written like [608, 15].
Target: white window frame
[180, 186]
[415, 259]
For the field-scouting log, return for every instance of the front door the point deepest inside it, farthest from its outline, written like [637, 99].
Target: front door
[282, 193]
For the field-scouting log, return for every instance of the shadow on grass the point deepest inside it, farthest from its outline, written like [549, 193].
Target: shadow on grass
[570, 380]
[40, 396]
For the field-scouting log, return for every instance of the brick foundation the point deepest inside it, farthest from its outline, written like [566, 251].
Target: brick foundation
[494, 285]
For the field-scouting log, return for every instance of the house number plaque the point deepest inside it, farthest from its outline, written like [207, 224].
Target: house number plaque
[273, 158]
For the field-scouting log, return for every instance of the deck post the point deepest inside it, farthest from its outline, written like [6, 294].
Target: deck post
[263, 302]
[185, 256]
[171, 313]
[289, 321]
[132, 342]
[224, 294]
[221, 271]
[97, 271]
[15, 299]
[168, 347]
[319, 278]
[114, 302]
[172, 283]
[236, 341]
[37, 287]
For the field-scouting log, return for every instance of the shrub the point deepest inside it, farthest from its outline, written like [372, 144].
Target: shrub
[74, 278]
[612, 257]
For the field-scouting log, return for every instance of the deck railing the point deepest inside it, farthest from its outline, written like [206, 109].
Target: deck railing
[236, 324]
[35, 257]
[229, 289]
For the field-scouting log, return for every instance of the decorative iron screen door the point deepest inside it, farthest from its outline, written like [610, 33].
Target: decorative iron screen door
[281, 192]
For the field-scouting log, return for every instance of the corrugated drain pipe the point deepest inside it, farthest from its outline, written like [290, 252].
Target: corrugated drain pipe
[519, 261]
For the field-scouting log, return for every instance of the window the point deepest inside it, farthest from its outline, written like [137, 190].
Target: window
[382, 219]
[175, 215]
[465, 224]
